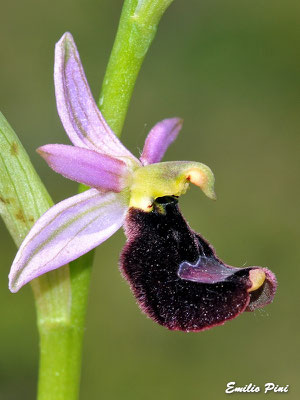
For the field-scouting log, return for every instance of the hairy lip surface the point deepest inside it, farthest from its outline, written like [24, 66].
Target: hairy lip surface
[176, 276]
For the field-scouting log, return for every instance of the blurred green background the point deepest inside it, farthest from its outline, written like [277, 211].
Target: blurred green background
[231, 70]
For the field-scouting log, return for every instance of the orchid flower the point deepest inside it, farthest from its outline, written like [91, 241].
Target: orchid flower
[173, 272]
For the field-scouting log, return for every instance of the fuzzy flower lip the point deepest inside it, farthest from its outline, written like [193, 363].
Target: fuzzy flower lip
[177, 278]
[98, 159]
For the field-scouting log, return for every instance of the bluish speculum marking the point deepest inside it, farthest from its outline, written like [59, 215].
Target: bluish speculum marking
[205, 270]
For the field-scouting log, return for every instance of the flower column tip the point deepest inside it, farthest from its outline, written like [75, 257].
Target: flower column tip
[203, 180]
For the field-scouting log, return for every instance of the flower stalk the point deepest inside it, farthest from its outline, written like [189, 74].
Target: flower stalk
[61, 344]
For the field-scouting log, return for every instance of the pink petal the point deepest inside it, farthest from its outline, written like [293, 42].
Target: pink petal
[77, 109]
[159, 139]
[65, 232]
[86, 166]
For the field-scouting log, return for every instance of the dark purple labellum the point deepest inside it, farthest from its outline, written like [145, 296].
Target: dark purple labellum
[176, 276]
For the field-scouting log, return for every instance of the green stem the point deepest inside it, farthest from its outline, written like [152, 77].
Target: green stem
[61, 343]
[137, 28]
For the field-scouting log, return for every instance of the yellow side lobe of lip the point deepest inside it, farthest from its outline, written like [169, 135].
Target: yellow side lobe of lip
[257, 278]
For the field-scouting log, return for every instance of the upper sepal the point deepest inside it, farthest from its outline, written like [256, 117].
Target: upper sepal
[177, 278]
[77, 109]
